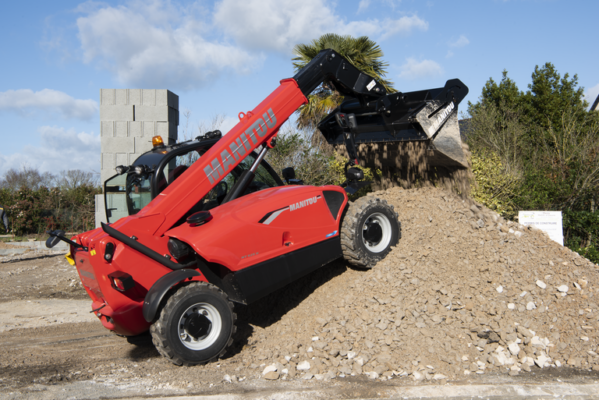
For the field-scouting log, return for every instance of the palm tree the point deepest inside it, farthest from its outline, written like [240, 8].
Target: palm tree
[362, 52]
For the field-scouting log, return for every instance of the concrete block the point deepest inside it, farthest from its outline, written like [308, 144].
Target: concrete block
[106, 128]
[173, 115]
[121, 97]
[134, 96]
[100, 211]
[108, 161]
[167, 98]
[106, 174]
[122, 159]
[148, 129]
[133, 157]
[173, 100]
[121, 129]
[135, 129]
[151, 113]
[167, 130]
[161, 97]
[116, 113]
[149, 97]
[162, 129]
[117, 145]
[107, 97]
[142, 144]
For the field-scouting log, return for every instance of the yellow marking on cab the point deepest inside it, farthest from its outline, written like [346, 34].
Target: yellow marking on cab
[93, 252]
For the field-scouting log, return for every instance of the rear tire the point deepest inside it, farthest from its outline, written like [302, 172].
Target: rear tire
[195, 325]
[368, 230]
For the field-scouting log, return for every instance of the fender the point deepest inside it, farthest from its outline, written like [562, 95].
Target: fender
[159, 289]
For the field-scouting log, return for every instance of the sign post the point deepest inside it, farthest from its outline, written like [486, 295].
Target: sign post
[547, 221]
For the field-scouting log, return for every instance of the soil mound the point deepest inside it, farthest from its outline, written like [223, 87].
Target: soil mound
[464, 292]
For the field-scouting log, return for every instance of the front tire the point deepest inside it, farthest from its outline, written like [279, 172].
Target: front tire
[195, 325]
[369, 229]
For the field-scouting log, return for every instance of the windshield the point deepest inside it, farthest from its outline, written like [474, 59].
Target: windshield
[125, 195]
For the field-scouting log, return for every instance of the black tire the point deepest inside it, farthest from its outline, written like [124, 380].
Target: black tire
[195, 325]
[368, 230]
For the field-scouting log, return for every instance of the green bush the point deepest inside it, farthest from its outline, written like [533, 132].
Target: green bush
[493, 186]
[35, 211]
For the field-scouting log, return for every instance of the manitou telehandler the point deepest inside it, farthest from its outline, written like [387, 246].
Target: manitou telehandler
[198, 226]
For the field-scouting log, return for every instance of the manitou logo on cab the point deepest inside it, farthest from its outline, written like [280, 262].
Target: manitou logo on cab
[304, 203]
[261, 126]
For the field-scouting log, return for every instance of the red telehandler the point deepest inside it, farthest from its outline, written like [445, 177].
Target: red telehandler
[207, 223]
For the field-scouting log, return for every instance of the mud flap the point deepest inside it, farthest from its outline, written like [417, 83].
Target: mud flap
[159, 289]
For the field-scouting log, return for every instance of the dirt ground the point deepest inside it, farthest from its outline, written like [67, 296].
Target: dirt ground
[49, 341]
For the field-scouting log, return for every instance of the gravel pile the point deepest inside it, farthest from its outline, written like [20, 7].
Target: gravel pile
[465, 292]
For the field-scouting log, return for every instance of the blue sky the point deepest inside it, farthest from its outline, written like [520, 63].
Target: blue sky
[222, 57]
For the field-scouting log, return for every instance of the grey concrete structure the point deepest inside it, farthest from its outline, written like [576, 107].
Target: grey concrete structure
[129, 118]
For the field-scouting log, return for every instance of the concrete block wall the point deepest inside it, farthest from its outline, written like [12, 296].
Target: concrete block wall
[129, 118]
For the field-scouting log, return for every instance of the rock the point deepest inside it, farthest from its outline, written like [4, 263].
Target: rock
[511, 306]
[541, 284]
[417, 376]
[499, 289]
[307, 376]
[372, 375]
[530, 306]
[542, 360]
[538, 343]
[351, 354]
[270, 368]
[525, 332]
[438, 377]
[303, 366]
[272, 375]
[227, 379]
[563, 288]
[514, 348]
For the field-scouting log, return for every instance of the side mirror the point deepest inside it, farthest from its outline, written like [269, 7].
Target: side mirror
[54, 238]
[288, 174]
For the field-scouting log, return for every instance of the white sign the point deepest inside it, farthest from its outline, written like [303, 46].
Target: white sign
[547, 221]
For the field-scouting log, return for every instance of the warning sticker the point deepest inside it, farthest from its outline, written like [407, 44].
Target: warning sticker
[371, 85]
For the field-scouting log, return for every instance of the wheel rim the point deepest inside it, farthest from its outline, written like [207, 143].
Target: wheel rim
[199, 326]
[376, 232]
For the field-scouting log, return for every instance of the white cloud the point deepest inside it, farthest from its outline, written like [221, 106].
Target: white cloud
[27, 102]
[413, 69]
[281, 24]
[156, 44]
[591, 94]
[460, 42]
[363, 5]
[60, 149]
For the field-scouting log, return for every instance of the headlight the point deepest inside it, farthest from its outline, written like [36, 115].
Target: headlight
[121, 169]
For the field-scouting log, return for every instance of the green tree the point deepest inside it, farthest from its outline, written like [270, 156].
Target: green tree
[550, 95]
[362, 52]
[504, 96]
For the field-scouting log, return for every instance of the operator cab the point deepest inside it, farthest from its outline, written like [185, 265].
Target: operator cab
[136, 186]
